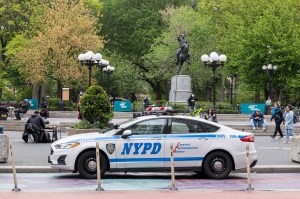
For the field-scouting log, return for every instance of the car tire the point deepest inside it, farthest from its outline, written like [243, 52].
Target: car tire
[87, 166]
[217, 165]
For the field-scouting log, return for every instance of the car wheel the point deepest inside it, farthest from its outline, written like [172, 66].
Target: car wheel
[217, 165]
[87, 165]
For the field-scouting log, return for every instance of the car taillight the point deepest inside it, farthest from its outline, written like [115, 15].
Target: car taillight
[162, 108]
[149, 109]
[249, 138]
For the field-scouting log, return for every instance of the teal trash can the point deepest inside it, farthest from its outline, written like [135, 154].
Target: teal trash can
[1, 129]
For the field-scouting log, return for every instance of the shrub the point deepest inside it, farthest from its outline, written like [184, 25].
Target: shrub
[95, 107]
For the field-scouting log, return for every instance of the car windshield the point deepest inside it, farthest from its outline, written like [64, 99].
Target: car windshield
[111, 130]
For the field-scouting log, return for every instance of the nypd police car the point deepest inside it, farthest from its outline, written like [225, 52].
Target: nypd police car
[143, 144]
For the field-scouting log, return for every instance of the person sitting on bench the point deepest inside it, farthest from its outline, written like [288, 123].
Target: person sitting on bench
[23, 109]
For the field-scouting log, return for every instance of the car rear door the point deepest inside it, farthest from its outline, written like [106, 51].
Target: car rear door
[191, 141]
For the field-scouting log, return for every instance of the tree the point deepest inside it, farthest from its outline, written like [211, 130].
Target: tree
[134, 29]
[95, 106]
[244, 30]
[68, 31]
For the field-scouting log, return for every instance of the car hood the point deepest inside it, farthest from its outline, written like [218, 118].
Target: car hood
[86, 137]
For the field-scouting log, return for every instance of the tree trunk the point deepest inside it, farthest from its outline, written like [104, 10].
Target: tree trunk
[59, 89]
[42, 91]
[257, 97]
[207, 93]
[35, 90]
[222, 97]
[167, 89]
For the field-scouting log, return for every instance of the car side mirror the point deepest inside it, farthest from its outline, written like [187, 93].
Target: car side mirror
[126, 134]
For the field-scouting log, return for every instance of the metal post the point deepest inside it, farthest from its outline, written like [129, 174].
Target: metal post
[108, 75]
[250, 188]
[90, 73]
[16, 189]
[214, 89]
[173, 187]
[98, 168]
[231, 90]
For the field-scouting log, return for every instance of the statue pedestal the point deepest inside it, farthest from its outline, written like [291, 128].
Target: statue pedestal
[181, 88]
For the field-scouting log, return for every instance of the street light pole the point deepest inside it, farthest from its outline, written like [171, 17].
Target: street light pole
[102, 64]
[270, 69]
[214, 62]
[108, 70]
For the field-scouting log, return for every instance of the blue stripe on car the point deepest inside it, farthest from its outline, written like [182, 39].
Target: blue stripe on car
[154, 159]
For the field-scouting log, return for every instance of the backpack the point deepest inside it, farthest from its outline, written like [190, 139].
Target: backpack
[45, 137]
[295, 119]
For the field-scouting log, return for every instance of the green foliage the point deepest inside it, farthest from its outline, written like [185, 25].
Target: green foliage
[84, 124]
[95, 106]
[54, 103]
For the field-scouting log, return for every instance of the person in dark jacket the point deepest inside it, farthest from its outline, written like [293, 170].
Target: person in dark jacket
[277, 115]
[44, 108]
[34, 125]
[191, 102]
[257, 118]
[23, 109]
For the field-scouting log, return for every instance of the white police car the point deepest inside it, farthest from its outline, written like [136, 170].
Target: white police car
[143, 144]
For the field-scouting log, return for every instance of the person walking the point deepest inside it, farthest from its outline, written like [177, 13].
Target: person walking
[289, 123]
[277, 115]
[210, 115]
[191, 103]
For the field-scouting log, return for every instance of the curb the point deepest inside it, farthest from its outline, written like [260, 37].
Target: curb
[256, 169]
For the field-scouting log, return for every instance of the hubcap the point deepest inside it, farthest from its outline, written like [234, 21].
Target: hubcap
[92, 165]
[218, 166]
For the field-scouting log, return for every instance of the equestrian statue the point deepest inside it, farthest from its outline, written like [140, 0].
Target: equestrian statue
[182, 54]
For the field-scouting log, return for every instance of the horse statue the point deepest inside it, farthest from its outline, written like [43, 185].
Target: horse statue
[182, 54]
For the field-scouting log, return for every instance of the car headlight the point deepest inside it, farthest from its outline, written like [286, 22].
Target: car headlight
[66, 145]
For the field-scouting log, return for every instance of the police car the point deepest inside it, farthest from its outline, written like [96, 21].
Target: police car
[143, 144]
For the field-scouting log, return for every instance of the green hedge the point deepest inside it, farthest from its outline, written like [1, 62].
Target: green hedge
[68, 105]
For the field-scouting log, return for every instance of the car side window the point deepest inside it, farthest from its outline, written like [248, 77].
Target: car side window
[181, 126]
[154, 126]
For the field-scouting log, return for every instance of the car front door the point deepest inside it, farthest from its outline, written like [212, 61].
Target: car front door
[145, 146]
[191, 141]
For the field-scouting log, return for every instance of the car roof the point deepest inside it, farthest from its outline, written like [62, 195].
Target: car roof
[142, 118]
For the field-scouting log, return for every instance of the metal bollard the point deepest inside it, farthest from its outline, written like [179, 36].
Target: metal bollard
[98, 168]
[250, 188]
[16, 189]
[173, 187]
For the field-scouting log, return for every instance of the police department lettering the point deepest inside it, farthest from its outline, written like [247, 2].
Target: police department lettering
[141, 148]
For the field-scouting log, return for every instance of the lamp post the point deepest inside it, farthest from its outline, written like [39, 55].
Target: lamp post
[102, 64]
[270, 69]
[108, 70]
[214, 61]
[90, 59]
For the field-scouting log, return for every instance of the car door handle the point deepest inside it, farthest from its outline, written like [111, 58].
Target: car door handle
[156, 138]
[202, 138]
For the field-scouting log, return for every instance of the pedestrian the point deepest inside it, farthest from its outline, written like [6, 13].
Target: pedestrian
[210, 115]
[146, 103]
[277, 115]
[23, 109]
[257, 118]
[191, 102]
[78, 105]
[44, 108]
[238, 108]
[289, 123]
[268, 105]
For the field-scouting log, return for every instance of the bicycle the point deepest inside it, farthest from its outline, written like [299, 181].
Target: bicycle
[195, 113]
